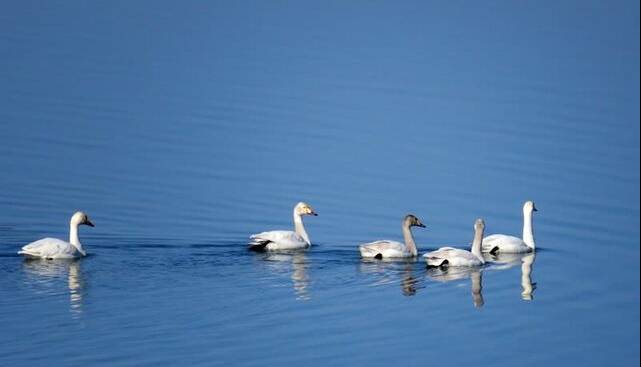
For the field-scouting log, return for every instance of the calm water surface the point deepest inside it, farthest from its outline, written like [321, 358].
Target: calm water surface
[181, 128]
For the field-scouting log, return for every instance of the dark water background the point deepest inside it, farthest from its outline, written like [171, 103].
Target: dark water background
[183, 127]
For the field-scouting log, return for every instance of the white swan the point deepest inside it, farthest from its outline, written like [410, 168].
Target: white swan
[392, 249]
[53, 248]
[501, 243]
[449, 256]
[285, 240]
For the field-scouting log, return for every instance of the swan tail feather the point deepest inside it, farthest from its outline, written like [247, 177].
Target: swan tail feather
[258, 244]
[436, 262]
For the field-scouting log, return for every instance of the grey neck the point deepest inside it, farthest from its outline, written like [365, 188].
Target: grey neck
[476, 244]
[299, 228]
[409, 239]
[528, 230]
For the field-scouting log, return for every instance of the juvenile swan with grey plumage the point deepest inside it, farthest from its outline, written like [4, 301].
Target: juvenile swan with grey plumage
[500, 243]
[285, 240]
[448, 256]
[53, 248]
[392, 249]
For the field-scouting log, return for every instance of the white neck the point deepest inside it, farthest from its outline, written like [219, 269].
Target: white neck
[476, 245]
[528, 230]
[299, 228]
[73, 237]
[409, 239]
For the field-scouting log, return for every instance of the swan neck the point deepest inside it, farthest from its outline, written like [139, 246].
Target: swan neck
[409, 239]
[528, 230]
[299, 228]
[476, 244]
[73, 236]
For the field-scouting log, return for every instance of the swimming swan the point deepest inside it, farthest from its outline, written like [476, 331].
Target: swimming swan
[449, 256]
[53, 248]
[392, 249]
[285, 240]
[501, 243]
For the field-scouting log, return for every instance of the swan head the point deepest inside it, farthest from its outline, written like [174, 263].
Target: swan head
[81, 218]
[529, 207]
[304, 209]
[412, 221]
[479, 225]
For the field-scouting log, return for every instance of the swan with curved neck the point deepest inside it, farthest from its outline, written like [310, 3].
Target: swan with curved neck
[392, 249]
[53, 248]
[449, 256]
[285, 240]
[501, 243]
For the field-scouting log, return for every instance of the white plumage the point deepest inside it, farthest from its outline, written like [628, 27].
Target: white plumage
[278, 240]
[49, 248]
[53, 248]
[449, 256]
[285, 240]
[501, 243]
[385, 249]
[452, 257]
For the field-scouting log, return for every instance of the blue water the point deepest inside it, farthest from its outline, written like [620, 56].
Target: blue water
[183, 127]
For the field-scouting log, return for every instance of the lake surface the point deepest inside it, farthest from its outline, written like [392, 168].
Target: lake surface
[183, 127]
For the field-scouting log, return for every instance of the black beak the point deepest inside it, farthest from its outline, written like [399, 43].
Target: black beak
[88, 222]
[421, 225]
[534, 209]
[314, 214]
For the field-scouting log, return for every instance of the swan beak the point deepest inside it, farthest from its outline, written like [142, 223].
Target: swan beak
[88, 222]
[314, 214]
[421, 225]
[534, 209]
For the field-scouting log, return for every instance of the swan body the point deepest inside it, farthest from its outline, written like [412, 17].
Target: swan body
[452, 257]
[279, 240]
[285, 240]
[449, 256]
[386, 249]
[501, 243]
[53, 248]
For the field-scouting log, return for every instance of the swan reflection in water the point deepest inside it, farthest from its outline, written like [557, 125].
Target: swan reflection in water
[46, 273]
[390, 270]
[450, 274]
[296, 262]
[507, 261]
